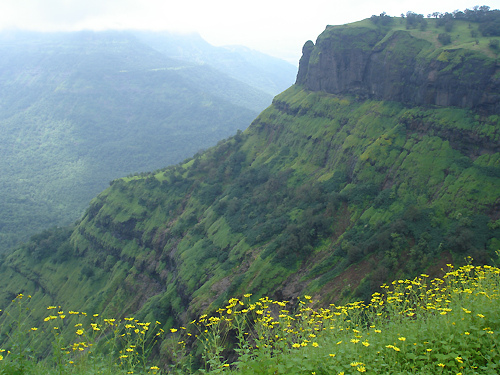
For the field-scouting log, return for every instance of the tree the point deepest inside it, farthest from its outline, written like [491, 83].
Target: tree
[423, 25]
[413, 19]
[444, 38]
[383, 19]
[494, 44]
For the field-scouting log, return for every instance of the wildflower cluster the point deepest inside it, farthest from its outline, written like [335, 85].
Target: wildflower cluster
[79, 340]
[446, 325]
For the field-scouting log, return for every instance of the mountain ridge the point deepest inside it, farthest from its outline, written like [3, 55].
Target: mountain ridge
[80, 109]
[329, 194]
[402, 65]
[269, 74]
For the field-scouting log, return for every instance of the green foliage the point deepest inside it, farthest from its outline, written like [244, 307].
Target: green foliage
[73, 343]
[318, 184]
[469, 30]
[325, 194]
[79, 111]
[444, 39]
[414, 20]
[446, 325]
[383, 19]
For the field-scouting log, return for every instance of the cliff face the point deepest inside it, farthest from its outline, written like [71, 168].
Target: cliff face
[397, 66]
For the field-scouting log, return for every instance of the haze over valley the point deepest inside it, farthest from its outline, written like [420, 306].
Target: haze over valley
[80, 109]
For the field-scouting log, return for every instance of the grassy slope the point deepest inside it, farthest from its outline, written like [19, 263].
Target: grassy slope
[445, 325]
[460, 34]
[317, 186]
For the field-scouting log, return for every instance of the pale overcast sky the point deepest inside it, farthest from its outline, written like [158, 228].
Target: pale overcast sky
[276, 27]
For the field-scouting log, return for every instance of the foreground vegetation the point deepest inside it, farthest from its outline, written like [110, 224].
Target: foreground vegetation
[447, 325]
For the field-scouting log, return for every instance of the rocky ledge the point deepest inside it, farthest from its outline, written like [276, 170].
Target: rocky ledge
[396, 66]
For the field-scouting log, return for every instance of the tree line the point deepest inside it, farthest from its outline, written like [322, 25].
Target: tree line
[488, 19]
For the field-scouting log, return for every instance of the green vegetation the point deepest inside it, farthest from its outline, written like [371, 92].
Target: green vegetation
[73, 343]
[472, 29]
[81, 109]
[327, 195]
[446, 325]
[324, 194]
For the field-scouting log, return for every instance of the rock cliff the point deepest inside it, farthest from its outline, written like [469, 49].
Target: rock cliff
[399, 65]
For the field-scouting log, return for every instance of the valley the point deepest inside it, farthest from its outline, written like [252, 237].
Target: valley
[381, 163]
[81, 109]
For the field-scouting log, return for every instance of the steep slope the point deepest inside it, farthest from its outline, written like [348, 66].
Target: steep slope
[409, 66]
[327, 194]
[318, 184]
[80, 109]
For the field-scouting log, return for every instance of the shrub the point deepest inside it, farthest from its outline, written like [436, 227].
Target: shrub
[493, 44]
[444, 38]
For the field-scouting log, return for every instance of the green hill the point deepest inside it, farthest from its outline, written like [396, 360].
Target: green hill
[331, 191]
[80, 109]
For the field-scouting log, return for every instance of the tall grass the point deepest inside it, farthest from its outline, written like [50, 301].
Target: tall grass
[72, 342]
[447, 325]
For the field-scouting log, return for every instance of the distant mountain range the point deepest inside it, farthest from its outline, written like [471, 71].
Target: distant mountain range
[254, 68]
[80, 109]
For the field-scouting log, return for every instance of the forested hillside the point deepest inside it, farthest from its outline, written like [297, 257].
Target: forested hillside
[80, 109]
[348, 180]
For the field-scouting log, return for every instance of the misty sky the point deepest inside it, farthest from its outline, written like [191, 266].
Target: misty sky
[276, 27]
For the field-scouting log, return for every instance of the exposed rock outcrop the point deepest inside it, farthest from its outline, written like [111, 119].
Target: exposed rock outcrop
[397, 66]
